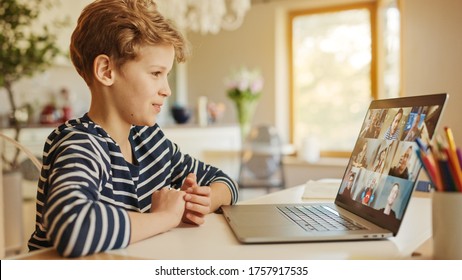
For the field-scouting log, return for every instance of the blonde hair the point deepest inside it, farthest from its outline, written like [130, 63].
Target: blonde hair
[118, 28]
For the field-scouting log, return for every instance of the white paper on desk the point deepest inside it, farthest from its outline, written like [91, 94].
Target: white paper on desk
[325, 188]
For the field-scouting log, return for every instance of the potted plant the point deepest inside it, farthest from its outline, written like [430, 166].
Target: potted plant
[27, 47]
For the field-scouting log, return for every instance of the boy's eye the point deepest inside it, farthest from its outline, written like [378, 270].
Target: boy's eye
[156, 74]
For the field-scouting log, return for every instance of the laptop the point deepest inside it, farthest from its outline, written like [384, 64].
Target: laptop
[374, 192]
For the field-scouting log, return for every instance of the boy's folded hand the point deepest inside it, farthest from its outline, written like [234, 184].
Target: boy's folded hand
[169, 201]
[198, 201]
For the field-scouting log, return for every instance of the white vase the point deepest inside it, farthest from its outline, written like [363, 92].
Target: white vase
[310, 150]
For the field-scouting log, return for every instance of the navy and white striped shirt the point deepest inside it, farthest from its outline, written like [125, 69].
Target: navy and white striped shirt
[86, 187]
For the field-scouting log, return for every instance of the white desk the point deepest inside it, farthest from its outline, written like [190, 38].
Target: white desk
[215, 240]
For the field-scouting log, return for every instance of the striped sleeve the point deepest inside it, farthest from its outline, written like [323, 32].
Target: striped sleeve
[77, 222]
[183, 164]
[163, 163]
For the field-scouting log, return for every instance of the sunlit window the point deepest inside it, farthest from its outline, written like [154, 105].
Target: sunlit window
[391, 49]
[331, 75]
[334, 73]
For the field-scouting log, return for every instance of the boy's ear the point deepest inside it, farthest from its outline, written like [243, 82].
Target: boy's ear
[102, 69]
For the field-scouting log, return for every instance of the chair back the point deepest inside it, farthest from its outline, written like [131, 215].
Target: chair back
[261, 159]
[12, 196]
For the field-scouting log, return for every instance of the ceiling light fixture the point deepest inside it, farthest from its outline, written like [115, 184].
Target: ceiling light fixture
[205, 16]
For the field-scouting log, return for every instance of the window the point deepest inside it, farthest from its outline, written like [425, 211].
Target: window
[334, 69]
[390, 19]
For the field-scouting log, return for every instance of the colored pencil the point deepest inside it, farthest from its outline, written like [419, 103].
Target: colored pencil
[443, 163]
[454, 170]
[421, 144]
[453, 159]
[431, 169]
[459, 156]
[448, 181]
[436, 171]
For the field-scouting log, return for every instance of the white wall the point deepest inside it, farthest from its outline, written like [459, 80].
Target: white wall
[432, 54]
[214, 56]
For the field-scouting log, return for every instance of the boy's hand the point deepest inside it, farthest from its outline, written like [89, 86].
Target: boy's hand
[169, 201]
[198, 201]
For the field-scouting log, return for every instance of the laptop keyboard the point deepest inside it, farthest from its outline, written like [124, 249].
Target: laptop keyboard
[318, 218]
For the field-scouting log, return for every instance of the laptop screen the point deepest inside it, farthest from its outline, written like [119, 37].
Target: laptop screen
[384, 167]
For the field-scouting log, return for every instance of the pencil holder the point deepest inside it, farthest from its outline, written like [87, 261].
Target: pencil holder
[447, 225]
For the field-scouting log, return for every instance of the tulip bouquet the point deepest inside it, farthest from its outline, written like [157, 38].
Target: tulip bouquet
[244, 88]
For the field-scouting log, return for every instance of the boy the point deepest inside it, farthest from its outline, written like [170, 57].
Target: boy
[107, 177]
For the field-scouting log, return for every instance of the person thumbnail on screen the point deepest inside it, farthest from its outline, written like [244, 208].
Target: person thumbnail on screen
[394, 129]
[347, 190]
[401, 169]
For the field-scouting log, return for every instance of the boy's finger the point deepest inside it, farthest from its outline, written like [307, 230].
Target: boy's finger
[205, 191]
[197, 208]
[195, 219]
[197, 199]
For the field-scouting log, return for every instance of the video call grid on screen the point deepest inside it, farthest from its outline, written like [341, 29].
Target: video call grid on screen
[384, 164]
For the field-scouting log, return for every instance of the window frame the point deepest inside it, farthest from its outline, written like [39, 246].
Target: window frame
[373, 11]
